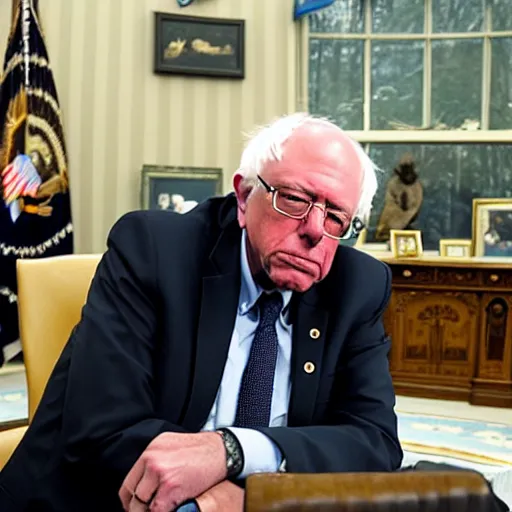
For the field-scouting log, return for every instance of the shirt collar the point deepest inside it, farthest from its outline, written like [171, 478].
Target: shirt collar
[250, 291]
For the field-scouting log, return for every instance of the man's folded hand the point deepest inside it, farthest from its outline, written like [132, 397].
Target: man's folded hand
[172, 469]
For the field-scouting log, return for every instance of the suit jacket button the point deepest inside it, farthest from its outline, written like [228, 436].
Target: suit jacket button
[314, 333]
[309, 367]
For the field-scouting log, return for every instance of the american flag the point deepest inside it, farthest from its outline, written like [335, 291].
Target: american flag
[35, 212]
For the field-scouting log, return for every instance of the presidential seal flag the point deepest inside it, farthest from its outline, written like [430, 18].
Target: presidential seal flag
[35, 213]
[303, 7]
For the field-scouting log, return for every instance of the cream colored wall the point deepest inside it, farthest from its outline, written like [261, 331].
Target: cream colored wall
[119, 115]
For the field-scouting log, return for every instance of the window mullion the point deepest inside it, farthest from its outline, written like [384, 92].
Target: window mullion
[486, 69]
[367, 67]
[427, 67]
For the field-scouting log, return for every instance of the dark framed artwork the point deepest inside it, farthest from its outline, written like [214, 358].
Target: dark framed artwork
[193, 45]
[178, 189]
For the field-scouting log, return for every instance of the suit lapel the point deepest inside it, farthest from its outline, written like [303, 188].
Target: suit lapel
[219, 304]
[309, 338]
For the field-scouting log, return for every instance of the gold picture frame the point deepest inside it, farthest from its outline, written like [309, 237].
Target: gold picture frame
[455, 248]
[406, 243]
[492, 227]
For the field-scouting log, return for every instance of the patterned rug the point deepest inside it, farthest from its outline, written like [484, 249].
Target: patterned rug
[469, 440]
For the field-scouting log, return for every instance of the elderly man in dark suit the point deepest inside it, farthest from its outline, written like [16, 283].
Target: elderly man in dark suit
[238, 338]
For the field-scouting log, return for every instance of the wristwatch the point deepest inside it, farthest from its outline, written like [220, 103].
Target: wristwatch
[234, 453]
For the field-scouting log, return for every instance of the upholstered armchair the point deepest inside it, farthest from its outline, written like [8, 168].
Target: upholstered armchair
[51, 293]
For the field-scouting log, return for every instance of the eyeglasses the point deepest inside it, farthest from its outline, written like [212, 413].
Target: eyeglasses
[297, 205]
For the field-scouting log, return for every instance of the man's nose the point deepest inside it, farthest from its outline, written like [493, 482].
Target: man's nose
[312, 227]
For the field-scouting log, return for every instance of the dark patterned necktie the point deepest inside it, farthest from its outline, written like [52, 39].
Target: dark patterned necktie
[255, 398]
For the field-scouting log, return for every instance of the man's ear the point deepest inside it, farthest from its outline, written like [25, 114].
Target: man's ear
[242, 191]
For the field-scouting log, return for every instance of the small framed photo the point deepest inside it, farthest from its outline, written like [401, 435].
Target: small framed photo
[492, 227]
[178, 189]
[406, 243]
[193, 45]
[455, 248]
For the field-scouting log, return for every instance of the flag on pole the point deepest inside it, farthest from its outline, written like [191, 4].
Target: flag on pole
[35, 212]
[303, 7]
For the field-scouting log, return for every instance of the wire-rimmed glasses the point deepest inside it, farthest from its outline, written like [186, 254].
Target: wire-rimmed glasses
[297, 205]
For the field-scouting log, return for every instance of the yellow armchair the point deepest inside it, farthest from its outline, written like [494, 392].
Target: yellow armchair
[51, 294]
[9, 439]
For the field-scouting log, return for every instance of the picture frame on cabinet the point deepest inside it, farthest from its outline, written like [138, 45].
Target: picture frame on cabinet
[406, 243]
[492, 227]
[455, 248]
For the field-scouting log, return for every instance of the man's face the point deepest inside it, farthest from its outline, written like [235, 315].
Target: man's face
[295, 254]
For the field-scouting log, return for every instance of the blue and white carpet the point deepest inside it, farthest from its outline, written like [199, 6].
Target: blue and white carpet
[477, 441]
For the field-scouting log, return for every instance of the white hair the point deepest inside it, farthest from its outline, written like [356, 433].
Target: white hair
[266, 145]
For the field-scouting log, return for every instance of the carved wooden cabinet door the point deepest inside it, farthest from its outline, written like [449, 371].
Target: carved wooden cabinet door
[435, 333]
[495, 357]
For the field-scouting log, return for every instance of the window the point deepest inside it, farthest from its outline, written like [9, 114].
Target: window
[451, 174]
[428, 77]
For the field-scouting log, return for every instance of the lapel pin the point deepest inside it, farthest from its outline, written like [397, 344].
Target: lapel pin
[309, 367]
[314, 333]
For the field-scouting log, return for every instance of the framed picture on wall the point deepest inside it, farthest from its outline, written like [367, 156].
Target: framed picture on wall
[455, 248]
[406, 243]
[193, 45]
[178, 189]
[492, 227]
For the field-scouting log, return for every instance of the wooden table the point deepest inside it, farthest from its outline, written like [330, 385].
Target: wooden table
[451, 328]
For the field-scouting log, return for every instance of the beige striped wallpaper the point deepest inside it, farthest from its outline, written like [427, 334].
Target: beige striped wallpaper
[118, 115]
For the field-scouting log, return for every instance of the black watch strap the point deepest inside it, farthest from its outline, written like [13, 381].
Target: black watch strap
[234, 453]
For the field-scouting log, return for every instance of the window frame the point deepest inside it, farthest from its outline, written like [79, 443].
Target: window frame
[421, 136]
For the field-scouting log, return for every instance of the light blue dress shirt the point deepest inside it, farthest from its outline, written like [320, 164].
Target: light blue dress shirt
[260, 453]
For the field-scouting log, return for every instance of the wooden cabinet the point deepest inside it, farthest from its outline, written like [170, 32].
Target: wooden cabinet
[451, 329]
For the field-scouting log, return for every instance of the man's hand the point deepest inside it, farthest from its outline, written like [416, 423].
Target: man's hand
[173, 469]
[224, 497]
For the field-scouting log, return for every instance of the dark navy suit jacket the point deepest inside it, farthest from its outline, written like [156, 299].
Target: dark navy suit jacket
[148, 356]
